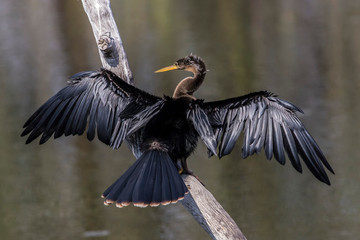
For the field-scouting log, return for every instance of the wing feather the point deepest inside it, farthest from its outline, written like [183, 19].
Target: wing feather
[94, 100]
[92, 119]
[290, 147]
[50, 129]
[203, 127]
[278, 143]
[266, 122]
[269, 139]
[231, 133]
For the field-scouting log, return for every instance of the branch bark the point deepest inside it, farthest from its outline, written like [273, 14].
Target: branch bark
[208, 212]
[199, 201]
[111, 50]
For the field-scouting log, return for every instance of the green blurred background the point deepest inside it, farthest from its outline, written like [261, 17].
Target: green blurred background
[306, 51]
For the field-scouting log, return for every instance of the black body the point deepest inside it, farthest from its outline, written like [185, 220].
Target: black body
[163, 132]
[172, 130]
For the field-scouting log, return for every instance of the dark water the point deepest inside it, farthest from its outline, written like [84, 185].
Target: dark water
[305, 51]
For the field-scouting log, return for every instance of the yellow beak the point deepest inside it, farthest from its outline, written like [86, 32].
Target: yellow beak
[169, 68]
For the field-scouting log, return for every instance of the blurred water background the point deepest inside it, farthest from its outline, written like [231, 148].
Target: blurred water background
[305, 51]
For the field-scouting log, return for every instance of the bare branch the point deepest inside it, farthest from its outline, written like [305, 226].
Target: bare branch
[107, 36]
[208, 212]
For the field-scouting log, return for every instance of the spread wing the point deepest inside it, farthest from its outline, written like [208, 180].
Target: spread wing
[266, 122]
[99, 101]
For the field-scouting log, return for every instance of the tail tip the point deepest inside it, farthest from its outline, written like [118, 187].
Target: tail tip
[122, 204]
[108, 202]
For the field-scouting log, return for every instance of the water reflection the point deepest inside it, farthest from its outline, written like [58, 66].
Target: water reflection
[305, 51]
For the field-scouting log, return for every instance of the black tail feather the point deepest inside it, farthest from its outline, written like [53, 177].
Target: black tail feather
[152, 180]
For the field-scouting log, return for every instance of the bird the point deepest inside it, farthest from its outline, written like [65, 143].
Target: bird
[162, 132]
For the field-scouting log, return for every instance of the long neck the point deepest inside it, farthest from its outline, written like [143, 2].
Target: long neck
[189, 85]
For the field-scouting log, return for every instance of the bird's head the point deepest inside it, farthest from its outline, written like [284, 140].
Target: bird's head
[190, 63]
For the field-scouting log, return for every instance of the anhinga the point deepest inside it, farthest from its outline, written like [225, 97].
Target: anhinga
[163, 132]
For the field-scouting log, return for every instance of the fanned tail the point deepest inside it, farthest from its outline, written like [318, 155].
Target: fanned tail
[152, 180]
